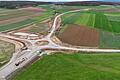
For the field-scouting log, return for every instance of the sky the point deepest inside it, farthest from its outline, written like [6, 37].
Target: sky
[64, 0]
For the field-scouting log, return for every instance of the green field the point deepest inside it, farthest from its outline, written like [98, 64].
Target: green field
[79, 18]
[73, 67]
[6, 51]
[93, 19]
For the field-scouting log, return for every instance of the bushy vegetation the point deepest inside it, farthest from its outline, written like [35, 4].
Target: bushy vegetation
[73, 67]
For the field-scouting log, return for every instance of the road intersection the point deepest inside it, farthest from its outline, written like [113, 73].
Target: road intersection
[25, 56]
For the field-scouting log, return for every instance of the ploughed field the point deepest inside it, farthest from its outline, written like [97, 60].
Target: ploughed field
[73, 67]
[80, 36]
[106, 23]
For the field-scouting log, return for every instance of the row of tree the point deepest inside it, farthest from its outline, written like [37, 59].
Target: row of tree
[89, 3]
[19, 4]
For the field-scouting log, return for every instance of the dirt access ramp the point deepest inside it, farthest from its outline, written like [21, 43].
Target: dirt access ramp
[80, 36]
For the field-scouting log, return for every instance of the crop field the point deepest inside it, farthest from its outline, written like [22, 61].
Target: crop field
[73, 67]
[15, 25]
[83, 7]
[92, 19]
[46, 15]
[20, 18]
[6, 51]
[109, 40]
[83, 36]
[18, 13]
[83, 19]
[113, 18]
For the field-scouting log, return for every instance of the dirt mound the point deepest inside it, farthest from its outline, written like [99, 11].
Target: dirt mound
[80, 36]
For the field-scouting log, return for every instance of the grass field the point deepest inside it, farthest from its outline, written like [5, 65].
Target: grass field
[73, 67]
[6, 51]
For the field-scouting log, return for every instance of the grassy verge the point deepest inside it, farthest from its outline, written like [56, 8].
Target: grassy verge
[6, 51]
[41, 28]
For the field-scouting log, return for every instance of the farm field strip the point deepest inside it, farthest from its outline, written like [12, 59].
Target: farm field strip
[5, 11]
[114, 18]
[15, 25]
[80, 18]
[21, 12]
[13, 20]
[113, 14]
[109, 40]
[44, 16]
[84, 19]
[15, 15]
[91, 21]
